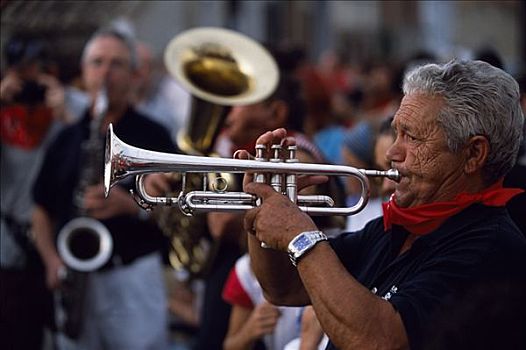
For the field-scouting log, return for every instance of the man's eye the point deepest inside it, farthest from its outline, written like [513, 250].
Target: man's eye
[410, 137]
[96, 62]
[118, 64]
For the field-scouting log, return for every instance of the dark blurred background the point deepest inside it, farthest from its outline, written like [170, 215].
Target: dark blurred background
[356, 31]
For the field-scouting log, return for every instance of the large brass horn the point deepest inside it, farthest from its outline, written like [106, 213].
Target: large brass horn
[220, 68]
[123, 160]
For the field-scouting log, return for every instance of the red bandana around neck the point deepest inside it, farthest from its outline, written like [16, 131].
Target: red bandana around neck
[426, 218]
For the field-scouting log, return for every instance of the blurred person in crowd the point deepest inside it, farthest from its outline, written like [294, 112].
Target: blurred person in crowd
[285, 107]
[311, 335]
[333, 67]
[320, 124]
[343, 82]
[381, 91]
[325, 127]
[366, 150]
[384, 139]
[254, 319]
[125, 304]
[32, 111]
[156, 94]
[254, 322]
[159, 97]
[358, 152]
[444, 232]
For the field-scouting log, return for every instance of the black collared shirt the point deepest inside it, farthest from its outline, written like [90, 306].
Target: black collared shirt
[60, 172]
[480, 244]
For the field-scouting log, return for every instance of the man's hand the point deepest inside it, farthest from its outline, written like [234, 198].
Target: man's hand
[225, 226]
[10, 86]
[157, 184]
[262, 320]
[119, 202]
[311, 332]
[55, 268]
[277, 221]
[55, 97]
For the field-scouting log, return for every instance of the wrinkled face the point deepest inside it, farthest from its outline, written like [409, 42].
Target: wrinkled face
[245, 123]
[107, 62]
[430, 172]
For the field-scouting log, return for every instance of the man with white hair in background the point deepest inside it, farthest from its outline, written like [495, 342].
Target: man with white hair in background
[125, 304]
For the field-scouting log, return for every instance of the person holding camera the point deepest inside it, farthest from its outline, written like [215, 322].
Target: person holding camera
[32, 109]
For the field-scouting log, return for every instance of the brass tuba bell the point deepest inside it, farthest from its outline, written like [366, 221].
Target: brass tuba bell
[220, 68]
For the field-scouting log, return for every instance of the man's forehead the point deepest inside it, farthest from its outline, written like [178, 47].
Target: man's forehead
[108, 45]
[418, 107]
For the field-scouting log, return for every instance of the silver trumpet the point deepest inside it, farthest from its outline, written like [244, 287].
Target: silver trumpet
[123, 160]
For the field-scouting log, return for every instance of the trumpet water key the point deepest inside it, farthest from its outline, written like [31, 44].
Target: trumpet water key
[123, 160]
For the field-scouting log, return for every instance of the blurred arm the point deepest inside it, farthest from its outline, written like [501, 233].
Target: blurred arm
[45, 243]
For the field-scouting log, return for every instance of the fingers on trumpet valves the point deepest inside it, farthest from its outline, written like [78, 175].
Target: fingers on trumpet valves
[278, 153]
[242, 154]
[272, 137]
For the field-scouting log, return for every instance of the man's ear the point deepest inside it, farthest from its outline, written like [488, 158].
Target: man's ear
[279, 113]
[477, 151]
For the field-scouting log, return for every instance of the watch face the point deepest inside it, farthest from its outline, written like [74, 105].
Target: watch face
[302, 243]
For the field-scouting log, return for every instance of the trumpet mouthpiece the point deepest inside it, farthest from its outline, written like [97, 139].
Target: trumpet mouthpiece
[391, 174]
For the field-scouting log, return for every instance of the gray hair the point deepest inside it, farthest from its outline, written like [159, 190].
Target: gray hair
[479, 100]
[111, 32]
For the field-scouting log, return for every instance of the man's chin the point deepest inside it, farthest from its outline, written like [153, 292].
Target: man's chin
[400, 199]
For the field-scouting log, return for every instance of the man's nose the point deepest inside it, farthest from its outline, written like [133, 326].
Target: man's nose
[395, 152]
[105, 70]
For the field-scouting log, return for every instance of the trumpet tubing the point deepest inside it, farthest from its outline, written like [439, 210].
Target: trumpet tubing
[123, 160]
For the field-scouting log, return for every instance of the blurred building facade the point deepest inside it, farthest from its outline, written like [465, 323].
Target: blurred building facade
[361, 30]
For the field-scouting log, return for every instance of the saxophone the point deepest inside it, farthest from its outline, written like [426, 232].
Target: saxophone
[84, 243]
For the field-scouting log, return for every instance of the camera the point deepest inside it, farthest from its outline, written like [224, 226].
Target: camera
[32, 93]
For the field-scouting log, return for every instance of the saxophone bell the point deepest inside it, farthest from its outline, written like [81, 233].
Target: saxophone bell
[84, 244]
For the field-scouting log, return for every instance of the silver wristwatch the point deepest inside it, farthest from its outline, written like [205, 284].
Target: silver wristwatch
[302, 243]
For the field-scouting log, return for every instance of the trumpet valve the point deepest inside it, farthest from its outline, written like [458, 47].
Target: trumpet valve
[290, 179]
[260, 156]
[276, 180]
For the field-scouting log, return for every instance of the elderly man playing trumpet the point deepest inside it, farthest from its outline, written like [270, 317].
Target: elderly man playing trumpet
[444, 230]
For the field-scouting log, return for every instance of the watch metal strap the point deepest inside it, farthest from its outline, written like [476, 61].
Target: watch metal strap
[302, 243]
